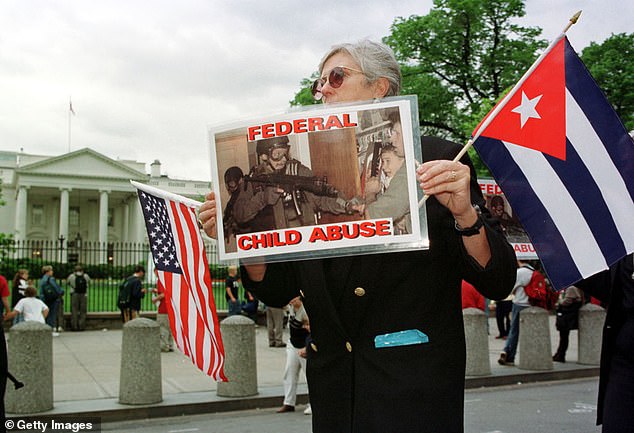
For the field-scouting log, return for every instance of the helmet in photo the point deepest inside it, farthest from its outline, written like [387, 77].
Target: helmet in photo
[264, 147]
[233, 174]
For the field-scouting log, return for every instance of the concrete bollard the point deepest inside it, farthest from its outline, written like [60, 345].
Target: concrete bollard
[590, 335]
[477, 342]
[140, 378]
[535, 346]
[30, 355]
[238, 336]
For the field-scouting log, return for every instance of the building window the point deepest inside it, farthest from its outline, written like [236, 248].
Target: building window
[110, 217]
[73, 216]
[37, 215]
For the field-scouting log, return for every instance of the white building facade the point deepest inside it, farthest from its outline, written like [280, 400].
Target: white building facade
[79, 196]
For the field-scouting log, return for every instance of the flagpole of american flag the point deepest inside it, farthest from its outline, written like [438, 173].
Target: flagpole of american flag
[71, 113]
[509, 95]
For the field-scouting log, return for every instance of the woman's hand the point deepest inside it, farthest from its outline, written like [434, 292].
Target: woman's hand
[449, 182]
[207, 215]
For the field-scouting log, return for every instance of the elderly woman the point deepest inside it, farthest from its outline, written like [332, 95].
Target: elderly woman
[388, 350]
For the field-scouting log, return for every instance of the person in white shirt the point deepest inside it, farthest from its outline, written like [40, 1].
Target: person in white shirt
[520, 302]
[31, 307]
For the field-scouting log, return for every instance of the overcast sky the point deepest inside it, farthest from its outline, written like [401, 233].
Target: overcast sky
[147, 78]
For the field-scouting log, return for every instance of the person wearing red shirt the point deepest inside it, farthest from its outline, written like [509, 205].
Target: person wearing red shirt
[471, 298]
[167, 342]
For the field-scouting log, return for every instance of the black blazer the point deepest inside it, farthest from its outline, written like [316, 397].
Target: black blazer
[355, 387]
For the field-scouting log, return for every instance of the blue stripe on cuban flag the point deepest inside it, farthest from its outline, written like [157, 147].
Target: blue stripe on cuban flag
[579, 211]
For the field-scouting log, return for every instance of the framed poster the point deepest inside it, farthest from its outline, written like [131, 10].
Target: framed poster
[322, 181]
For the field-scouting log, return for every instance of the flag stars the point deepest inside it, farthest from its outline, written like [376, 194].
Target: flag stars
[527, 109]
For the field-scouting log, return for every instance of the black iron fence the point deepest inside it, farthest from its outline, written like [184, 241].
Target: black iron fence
[107, 265]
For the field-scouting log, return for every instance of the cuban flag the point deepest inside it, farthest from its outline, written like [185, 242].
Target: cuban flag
[566, 165]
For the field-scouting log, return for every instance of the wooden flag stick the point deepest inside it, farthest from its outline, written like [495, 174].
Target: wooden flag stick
[503, 102]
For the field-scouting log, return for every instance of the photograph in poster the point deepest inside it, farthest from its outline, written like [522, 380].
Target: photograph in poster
[498, 205]
[324, 181]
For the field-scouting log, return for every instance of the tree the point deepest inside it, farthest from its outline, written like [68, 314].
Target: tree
[462, 54]
[611, 63]
[305, 96]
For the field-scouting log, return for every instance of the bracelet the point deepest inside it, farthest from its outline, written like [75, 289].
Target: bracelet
[475, 228]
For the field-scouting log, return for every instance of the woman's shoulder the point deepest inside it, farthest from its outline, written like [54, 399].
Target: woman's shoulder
[438, 148]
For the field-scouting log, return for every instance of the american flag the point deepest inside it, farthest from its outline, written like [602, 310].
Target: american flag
[180, 260]
[566, 165]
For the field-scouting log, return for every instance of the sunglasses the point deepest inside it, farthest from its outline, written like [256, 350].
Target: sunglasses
[335, 78]
[278, 154]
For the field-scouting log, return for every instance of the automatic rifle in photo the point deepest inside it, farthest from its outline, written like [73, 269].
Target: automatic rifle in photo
[294, 185]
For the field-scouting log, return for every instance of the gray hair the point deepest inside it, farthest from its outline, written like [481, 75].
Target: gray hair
[375, 59]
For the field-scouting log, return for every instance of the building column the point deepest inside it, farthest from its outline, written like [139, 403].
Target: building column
[126, 221]
[137, 227]
[21, 213]
[103, 225]
[63, 222]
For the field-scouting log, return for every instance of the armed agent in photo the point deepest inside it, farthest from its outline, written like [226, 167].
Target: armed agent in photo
[280, 192]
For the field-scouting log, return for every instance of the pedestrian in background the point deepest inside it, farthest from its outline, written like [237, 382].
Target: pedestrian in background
[471, 298]
[299, 329]
[520, 302]
[137, 291]
[78, 282]
[51, 293]
[503, 310]
[232, 287]
[567, 319]
[30, 307]
[275, 326]
[20, 283]
[162, 317]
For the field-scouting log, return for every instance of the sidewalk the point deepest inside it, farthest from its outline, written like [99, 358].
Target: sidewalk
[86, 367]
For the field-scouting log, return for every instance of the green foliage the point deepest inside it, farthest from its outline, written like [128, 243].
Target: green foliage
[304, 96]
[460, 55]
[611, 63]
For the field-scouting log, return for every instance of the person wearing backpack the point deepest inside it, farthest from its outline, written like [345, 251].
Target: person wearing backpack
[567, 319]
[131, 292]
[520, 302]
[51, 293]
[78, 282]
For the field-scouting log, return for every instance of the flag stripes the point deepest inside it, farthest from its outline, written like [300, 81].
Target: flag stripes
[199, 303]
[533, 214]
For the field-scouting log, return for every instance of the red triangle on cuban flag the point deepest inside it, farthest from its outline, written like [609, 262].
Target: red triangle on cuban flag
[535, 116]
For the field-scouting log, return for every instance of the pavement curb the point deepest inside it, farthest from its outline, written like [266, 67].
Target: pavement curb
[109, 410]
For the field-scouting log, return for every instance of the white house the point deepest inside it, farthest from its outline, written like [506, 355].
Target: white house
[81, 195]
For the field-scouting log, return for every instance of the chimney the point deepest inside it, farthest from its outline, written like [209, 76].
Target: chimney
[155, 168]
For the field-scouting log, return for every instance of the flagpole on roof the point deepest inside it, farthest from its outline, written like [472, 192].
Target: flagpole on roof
[70, 112]
[509, 95]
